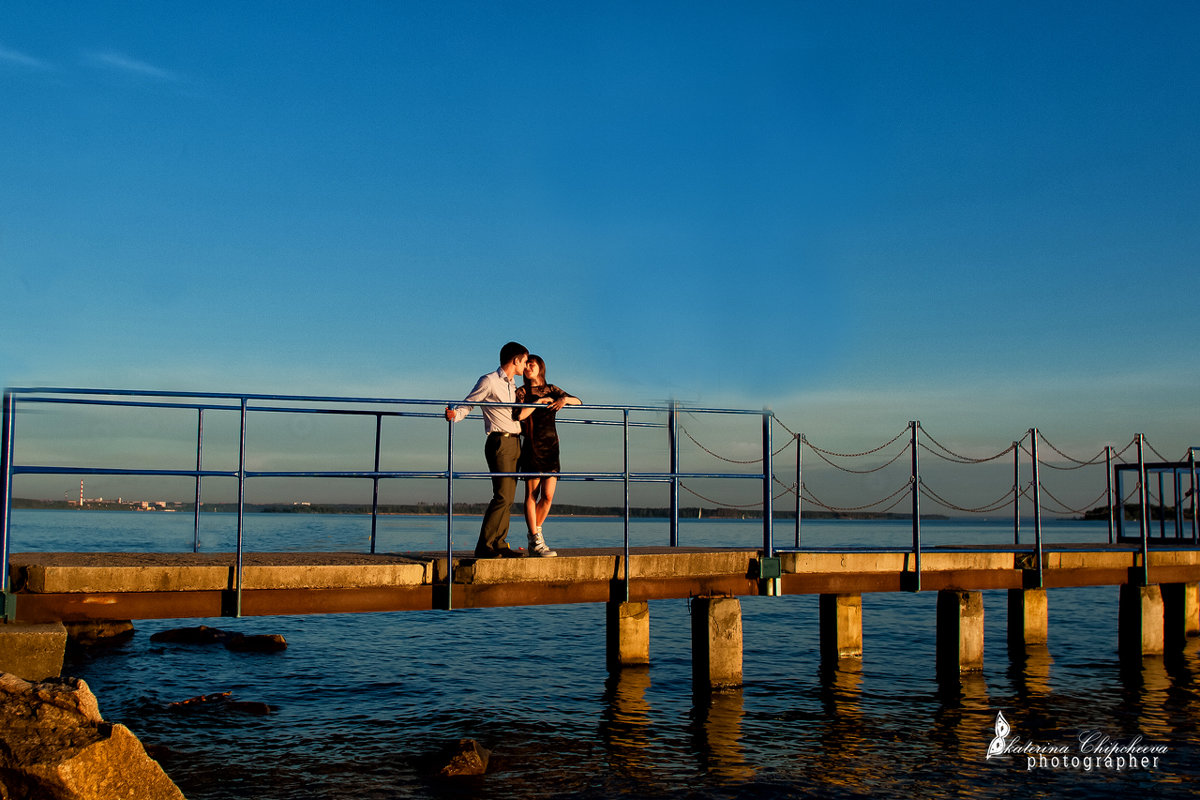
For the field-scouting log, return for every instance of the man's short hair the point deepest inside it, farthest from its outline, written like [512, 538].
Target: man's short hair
[512, 350]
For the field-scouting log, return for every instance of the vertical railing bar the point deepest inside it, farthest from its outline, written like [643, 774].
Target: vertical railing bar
[6, 456]
[241, 513]
[1016, 492]
[625, 428]
[1037, 504]
[449, 516]
[1119, 503]
[1178, 489]
[1109, 488]
[673, 431]
[799, 481]
[1162, 506]
[916, 502]
[375, 481]
[199, 466]
[768, 489]
[1144, 522]
[1195, 495]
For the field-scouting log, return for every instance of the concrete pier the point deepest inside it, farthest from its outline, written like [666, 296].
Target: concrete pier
[1028, 619]
[1140, 621]
[841, 627]
[628, 634]
[1181, 613]
[716, 643]
[959, 633]
[32, 651]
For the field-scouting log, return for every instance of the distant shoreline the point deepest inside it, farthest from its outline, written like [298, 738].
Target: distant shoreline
[470, 509]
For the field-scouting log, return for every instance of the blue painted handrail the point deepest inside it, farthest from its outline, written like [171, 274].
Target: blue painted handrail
[247, 404]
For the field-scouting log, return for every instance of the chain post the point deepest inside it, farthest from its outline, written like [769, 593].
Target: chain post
[916, 502]
[1037, 504]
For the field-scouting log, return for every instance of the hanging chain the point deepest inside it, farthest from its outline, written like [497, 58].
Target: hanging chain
[720, 457]
[809, 496]
[961, 459]
[1064, 508]
[885, 465]
[996, 505]
[883, 446]
[720, 504]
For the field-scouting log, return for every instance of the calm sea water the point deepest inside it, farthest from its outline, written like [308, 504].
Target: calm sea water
[362, 705]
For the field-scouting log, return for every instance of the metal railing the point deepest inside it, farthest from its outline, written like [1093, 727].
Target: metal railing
[248, 405]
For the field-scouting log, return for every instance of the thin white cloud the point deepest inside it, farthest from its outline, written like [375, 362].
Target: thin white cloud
[122, 63]
[22, 60]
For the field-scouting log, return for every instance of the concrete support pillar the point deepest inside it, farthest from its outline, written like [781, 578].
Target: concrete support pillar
[959, 633]
[1181, 613]
[841, 627]
[32, 651]
[1028, 619]
[1140, 621]
[628, 634]
[716, 643]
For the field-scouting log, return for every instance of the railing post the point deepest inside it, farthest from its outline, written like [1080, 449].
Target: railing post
[799, 481]
[1162, 507]
[449, 516]
[625, 471]
[199, 466]
[375, 481]
[1144, 513]
[673, 432]
[768, 488]
[1016, 492]
[1037, 504]
[1109, 488]
[1195, 493]
[241, 512]
[1178, 489]
[916, 502]
[6, 457]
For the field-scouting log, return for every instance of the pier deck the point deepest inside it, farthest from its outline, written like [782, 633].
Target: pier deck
[51, 587]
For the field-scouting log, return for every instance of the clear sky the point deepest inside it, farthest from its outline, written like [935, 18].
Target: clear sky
[982, 215]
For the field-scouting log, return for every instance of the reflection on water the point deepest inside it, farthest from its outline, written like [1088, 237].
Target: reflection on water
[1029, 671]
[625, 722]
[717, 734]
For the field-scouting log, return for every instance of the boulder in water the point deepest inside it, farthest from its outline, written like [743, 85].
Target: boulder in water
[468, 757]
[54, 745]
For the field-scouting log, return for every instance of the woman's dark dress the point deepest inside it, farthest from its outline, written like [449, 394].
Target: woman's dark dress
[539, 436]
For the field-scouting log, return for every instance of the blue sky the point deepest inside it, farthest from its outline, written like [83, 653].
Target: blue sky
[984, 216]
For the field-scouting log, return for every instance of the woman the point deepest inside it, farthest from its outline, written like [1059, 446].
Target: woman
[539, 447]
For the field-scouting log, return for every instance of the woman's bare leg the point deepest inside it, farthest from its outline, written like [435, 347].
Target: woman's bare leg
[542, 507]
[531, 487]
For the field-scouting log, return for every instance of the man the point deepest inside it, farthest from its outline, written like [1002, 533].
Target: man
[502, 449]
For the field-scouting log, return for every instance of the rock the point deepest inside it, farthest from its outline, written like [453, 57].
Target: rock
[54, 745]
[222, 701]
[259, 643]
[98, 633]
[240, 642]
[468, 758]
[217, 697]
[201, 634]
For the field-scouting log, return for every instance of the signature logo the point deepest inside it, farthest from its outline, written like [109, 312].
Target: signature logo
[996, 748]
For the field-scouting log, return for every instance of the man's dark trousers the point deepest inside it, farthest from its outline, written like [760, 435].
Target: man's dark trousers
[502, 453]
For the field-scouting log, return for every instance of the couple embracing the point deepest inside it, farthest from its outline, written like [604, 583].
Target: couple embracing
[518, 440]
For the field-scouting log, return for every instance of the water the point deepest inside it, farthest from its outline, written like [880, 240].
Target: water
[362, 705]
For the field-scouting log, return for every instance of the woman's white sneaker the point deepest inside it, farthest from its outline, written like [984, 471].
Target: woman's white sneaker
[538, 547]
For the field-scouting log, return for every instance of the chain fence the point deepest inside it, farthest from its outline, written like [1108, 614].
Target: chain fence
[928, 444]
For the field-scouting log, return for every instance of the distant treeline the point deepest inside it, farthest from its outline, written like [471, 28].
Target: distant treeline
[1133, 512]
[439, 509]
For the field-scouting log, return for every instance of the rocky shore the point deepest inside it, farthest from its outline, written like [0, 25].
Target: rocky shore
[54, 745]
